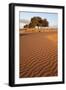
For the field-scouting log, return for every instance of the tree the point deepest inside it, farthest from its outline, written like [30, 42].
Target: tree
[37, 21]
[45, 23]
[26, 26]
[32, 25]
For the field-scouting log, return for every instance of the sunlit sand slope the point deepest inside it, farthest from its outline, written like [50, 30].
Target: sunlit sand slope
[38, 54]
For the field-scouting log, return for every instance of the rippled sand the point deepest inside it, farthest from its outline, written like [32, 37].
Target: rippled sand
[38, 54]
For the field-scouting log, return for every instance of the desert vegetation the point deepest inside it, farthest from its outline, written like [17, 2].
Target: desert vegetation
[37, 22]
[38, 49]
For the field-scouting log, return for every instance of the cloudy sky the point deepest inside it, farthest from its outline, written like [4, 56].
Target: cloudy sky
[25, 18]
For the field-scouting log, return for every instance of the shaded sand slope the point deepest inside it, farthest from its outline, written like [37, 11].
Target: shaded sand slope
[38, 55]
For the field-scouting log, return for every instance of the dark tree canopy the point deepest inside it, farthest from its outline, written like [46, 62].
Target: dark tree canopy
[26, 26]
[45, 23]
[37, 21]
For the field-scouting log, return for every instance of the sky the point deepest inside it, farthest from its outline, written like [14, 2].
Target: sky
[25, 18]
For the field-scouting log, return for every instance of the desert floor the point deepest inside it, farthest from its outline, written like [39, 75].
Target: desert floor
[38, 54]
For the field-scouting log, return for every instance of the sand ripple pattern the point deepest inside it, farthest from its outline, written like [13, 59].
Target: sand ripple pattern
[38, 55]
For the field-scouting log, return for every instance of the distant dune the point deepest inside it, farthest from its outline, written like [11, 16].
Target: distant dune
[38, 54]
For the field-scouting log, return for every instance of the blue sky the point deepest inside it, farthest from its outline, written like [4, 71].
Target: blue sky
[51, 17]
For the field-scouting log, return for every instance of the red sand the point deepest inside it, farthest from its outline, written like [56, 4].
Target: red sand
[38, 54]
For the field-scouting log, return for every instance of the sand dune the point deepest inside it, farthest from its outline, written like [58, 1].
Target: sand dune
[38, 54]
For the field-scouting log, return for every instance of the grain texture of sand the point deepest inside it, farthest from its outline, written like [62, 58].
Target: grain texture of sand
[38, 54]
